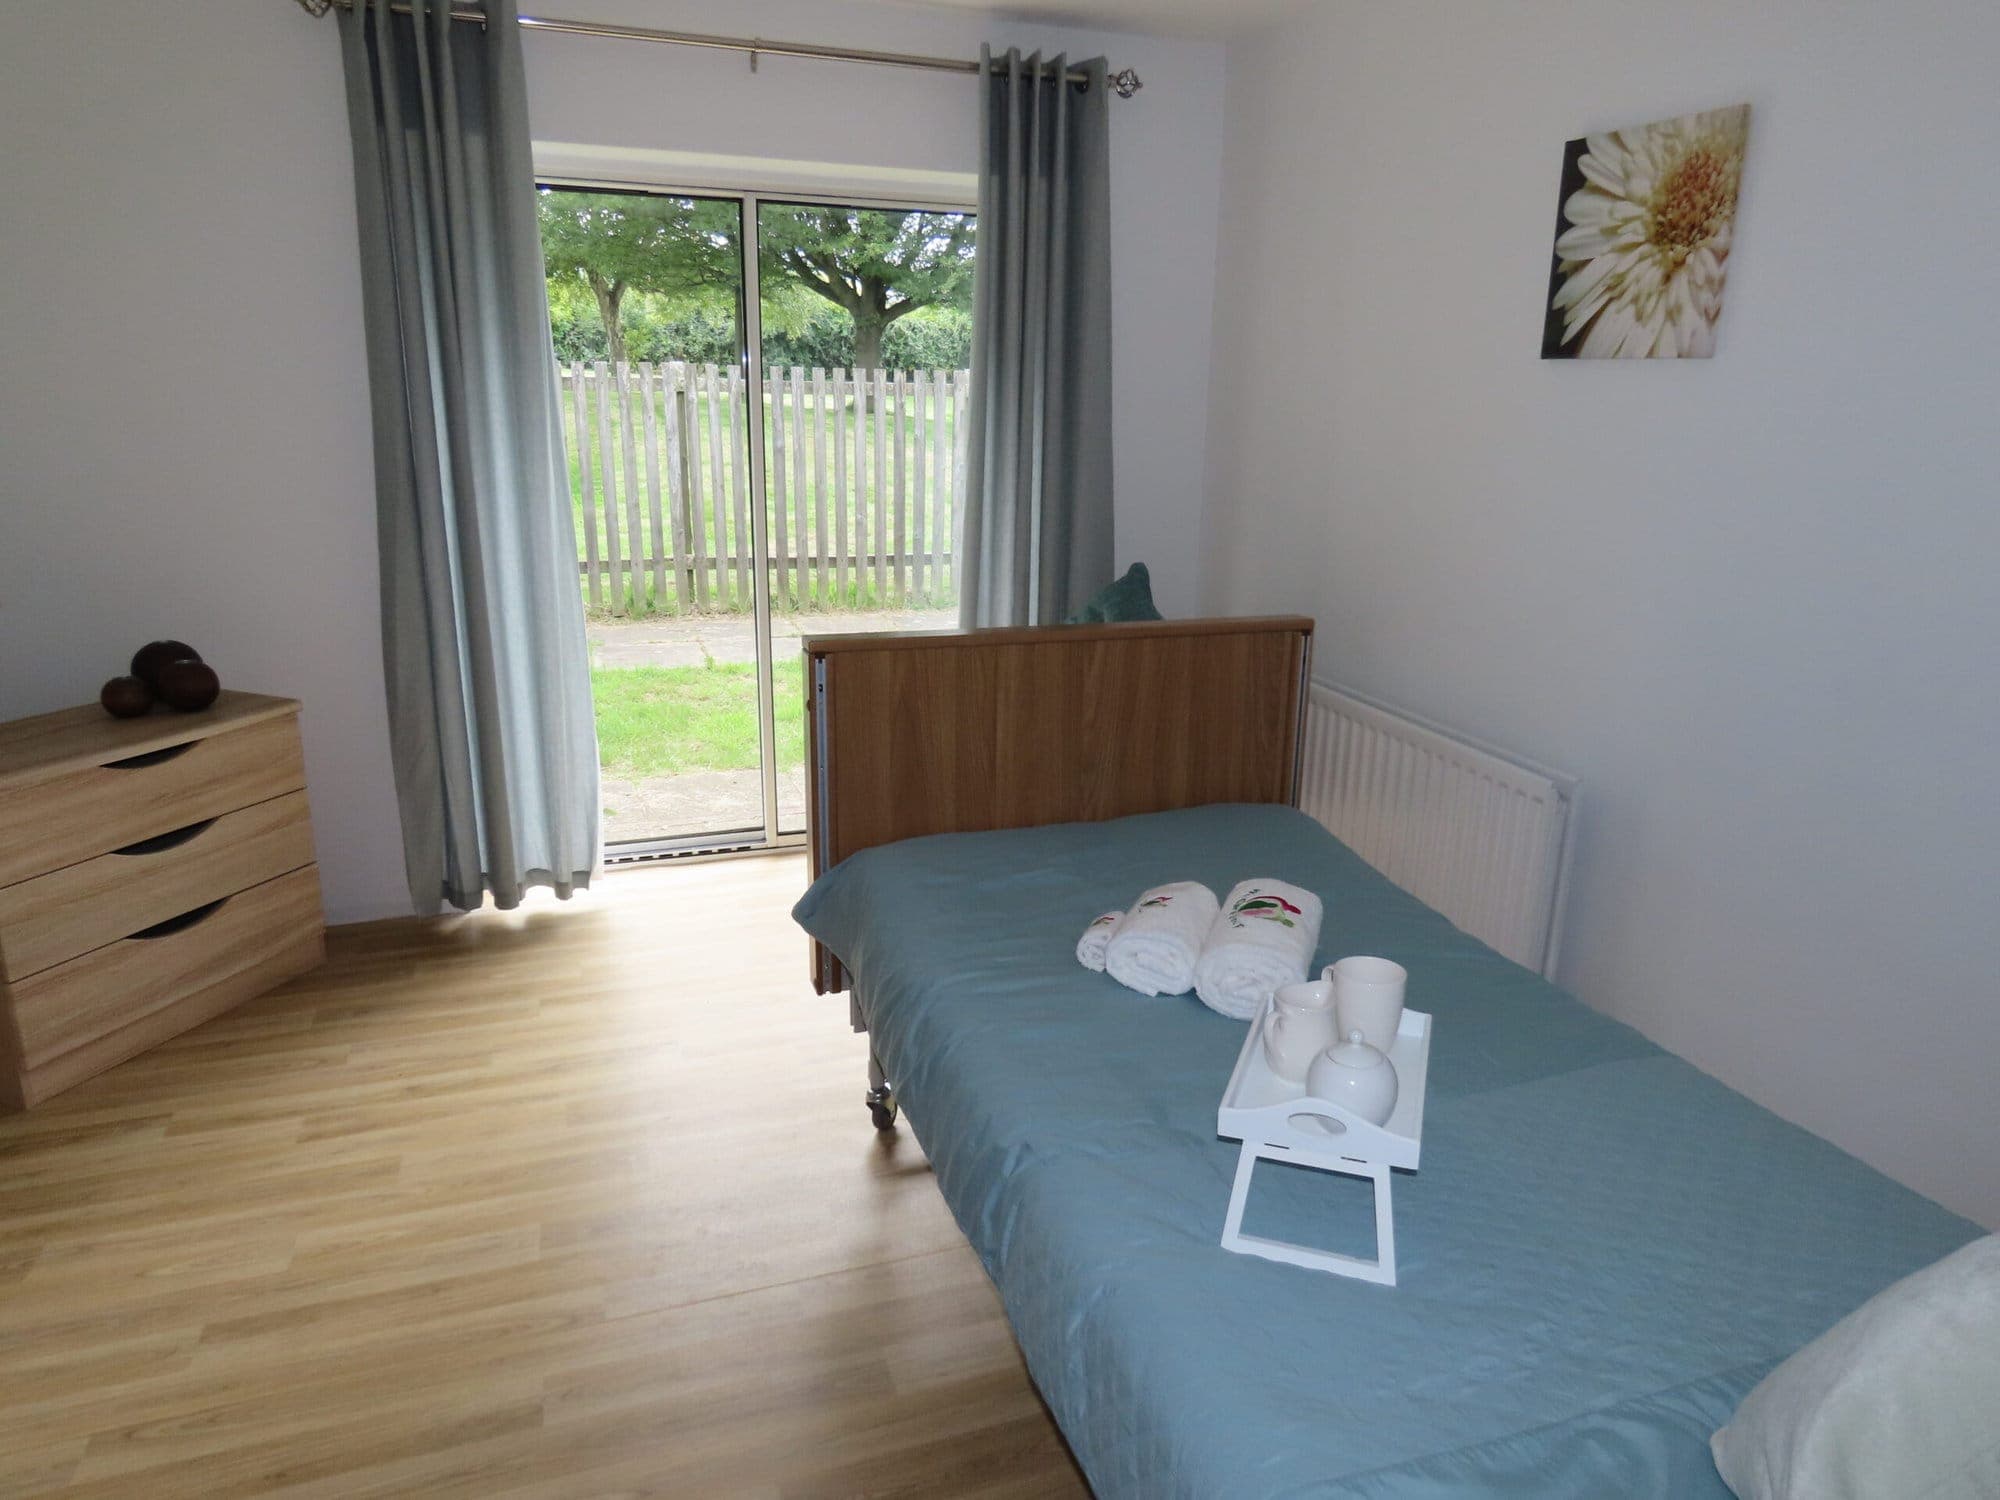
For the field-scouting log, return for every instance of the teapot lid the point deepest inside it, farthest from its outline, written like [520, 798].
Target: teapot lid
[1354, 1052]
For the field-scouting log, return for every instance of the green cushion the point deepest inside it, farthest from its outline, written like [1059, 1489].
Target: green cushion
[1127, 598]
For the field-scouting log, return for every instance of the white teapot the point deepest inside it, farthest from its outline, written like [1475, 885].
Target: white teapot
[1299, 1028]
[1357, 1077]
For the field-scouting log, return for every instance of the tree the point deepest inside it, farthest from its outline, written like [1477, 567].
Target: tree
[620, 242]
[876, 265]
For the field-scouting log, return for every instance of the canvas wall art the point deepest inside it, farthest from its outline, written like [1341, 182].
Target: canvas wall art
[1644, 223]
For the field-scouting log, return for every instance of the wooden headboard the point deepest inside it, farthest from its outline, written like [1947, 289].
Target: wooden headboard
[963, 731]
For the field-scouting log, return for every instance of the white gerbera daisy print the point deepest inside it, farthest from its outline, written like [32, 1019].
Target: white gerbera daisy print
[1643, 231]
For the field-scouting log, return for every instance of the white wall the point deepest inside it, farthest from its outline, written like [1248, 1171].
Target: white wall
[182, 385]
[1751, 601]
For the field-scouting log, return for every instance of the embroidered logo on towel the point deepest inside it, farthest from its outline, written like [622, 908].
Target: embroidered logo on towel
[1110, 916]
[1264, 908]
[1153, 901]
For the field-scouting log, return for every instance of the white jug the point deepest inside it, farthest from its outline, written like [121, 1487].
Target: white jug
[1300, 1027]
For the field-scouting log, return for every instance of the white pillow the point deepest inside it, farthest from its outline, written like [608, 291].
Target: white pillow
[1899, 1400]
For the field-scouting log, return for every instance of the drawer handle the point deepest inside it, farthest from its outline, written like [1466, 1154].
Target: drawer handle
[150, 757]
[181, 923]
[160, 842]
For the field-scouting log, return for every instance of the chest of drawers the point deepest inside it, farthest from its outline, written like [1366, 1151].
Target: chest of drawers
[154, 872]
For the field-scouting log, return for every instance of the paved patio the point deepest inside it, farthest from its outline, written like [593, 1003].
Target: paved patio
[696, 802]
[696, 640]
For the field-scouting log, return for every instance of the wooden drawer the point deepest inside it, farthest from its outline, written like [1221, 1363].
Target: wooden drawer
[124, 992]
[64, 819]
[71, 911]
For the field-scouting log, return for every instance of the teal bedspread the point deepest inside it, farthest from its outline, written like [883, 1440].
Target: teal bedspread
[1604, 1250]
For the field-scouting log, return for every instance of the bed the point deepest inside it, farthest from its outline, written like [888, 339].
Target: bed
[1604, 1251]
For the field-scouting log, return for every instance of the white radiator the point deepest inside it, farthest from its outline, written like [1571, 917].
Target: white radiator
[1481, 836]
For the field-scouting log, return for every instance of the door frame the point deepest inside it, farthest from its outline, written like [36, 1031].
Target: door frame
[766, 839]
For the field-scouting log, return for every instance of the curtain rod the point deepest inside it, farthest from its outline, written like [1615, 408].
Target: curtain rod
[1125, 82]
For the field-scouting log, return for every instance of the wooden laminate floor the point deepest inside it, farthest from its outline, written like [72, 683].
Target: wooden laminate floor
[575, 1200]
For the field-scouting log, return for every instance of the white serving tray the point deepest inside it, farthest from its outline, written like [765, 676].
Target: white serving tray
[1278, 1120]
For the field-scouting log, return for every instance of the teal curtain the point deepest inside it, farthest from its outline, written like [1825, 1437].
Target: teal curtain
[482, 621]
[1037, 533]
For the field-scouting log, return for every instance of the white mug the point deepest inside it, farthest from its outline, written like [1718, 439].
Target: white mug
[1368, 997]
[1300, 1027]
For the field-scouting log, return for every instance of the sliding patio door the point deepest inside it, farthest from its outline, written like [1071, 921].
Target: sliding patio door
[764, 408]
[866, 322]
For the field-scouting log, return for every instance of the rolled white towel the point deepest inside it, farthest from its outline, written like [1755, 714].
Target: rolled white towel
[1263, 937]
[1096, 938]
[1154, 949]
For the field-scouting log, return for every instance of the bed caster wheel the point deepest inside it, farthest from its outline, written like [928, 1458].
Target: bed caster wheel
[882, 1108]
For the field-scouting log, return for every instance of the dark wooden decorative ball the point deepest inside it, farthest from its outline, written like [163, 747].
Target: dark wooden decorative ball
[149, 658]
[126, 698]
[188, 685]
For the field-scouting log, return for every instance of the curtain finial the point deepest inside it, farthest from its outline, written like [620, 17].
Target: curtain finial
[1125, 82]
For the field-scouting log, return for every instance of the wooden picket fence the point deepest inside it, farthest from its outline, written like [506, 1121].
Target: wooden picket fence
[863, 473]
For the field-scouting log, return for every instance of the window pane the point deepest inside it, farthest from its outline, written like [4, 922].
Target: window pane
[867, 333]
[645, 311]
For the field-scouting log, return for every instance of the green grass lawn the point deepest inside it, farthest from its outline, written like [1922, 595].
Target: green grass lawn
[660, 721]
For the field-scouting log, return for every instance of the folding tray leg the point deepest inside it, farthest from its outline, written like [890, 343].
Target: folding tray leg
[1381, 1270]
